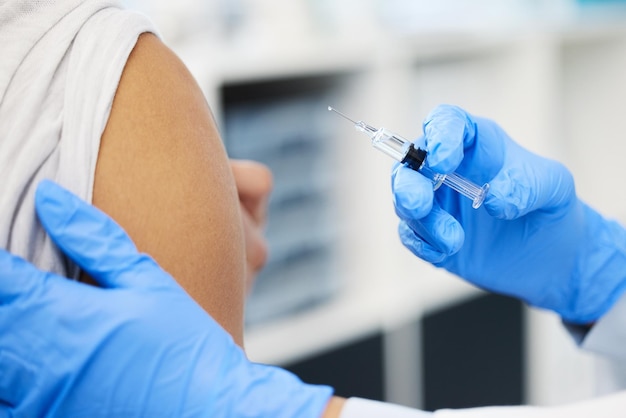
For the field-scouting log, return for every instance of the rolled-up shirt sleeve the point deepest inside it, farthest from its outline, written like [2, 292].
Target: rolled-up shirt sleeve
[365, 408]
[607, 336]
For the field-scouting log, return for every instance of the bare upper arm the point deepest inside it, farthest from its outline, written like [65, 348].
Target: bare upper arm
[163, 174]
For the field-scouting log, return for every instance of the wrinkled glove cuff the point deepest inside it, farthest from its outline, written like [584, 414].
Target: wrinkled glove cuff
[599, 279]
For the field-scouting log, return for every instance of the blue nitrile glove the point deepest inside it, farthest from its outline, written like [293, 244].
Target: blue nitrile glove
[138, 346]
[532, 239]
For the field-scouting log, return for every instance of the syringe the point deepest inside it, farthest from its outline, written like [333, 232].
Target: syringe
[403, 150]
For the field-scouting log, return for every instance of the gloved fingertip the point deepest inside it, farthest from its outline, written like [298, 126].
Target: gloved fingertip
[54, 204]
[89, 237]
[395, 170]
[412, 193]
[17, 277]
[448, 130]
[443, 159]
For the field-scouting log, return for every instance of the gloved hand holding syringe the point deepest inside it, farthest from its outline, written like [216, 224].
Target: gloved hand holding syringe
[404, 151]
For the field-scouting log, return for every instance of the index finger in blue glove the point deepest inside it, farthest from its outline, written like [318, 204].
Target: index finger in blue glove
[412, 193]
[428, 231]
[448, 130]
[93, 240]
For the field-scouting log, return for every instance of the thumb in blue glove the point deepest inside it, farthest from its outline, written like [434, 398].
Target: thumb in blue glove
[532, 239]
[137, 346]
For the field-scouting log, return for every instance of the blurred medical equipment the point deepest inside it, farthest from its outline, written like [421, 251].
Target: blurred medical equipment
[403, 150]
[262, 125]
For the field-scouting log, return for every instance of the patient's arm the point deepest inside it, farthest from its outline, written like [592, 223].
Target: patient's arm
[163, 174]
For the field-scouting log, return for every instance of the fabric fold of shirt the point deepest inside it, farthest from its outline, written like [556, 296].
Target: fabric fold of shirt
[60, 67]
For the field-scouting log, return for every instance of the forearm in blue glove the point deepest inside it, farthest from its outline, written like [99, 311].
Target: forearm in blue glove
[138, 346]
[532, 239]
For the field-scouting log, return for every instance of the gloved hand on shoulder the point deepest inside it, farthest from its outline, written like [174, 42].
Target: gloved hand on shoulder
[137, 346]
[532, 238]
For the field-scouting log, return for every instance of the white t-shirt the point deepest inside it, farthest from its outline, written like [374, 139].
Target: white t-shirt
[60, 65]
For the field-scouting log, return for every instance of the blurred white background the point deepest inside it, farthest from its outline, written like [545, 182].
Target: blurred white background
[551, 72]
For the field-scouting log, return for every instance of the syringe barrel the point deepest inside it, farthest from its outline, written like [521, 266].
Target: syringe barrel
[391, 144]
[404, 151]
